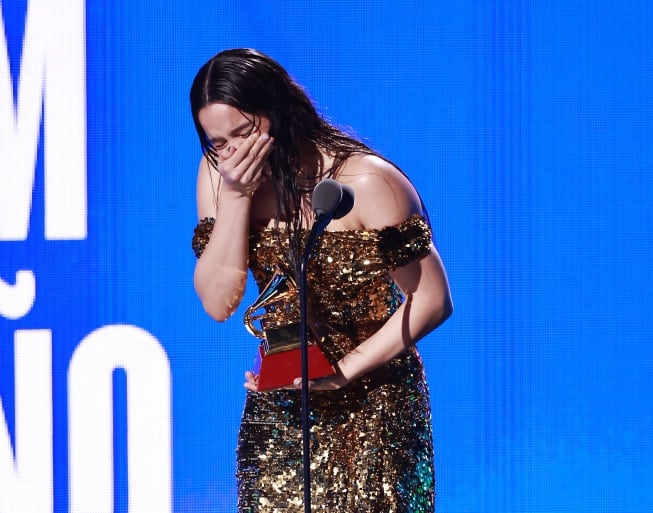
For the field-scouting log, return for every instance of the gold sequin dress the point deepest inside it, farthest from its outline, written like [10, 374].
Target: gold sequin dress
[371, 442]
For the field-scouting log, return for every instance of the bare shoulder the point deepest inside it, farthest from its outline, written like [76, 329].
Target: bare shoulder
[383, 195]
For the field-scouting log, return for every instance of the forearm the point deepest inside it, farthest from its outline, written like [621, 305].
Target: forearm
[411, 322]
[221, 271]
[428, 304]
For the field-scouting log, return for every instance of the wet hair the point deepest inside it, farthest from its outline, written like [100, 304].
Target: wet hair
[257, 85]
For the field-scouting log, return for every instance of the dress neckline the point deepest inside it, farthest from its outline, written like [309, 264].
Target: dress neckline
[400, 224]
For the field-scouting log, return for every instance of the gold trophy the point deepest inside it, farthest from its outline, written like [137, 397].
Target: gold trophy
[278, 361]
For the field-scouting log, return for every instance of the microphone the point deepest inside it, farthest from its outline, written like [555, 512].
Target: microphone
[346, 202]
[331, 200]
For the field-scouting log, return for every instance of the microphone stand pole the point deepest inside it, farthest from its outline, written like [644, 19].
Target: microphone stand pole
[318, 226]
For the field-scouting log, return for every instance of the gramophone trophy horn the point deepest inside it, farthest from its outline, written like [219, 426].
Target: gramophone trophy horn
[274, 318]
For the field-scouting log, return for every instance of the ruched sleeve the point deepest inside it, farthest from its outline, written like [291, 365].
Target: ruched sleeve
[400, 244]
[202, 235]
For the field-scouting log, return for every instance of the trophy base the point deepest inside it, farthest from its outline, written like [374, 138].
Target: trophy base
[277, 370]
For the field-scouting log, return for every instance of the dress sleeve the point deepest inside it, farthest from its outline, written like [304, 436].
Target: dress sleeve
[202, 235]
[400, 244]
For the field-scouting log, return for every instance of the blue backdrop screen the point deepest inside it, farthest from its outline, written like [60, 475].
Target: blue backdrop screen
[526, 126]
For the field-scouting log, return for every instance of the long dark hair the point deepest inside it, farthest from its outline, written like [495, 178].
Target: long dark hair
[257, 85]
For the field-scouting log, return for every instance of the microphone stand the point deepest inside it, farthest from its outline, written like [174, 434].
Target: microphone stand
[319, 225]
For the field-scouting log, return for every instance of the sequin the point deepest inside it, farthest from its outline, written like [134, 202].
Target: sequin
[371, 442]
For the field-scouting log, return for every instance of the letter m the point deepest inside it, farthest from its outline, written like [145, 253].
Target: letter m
[52, 82]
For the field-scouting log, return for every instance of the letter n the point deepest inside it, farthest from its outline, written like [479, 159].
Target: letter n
[26, 478]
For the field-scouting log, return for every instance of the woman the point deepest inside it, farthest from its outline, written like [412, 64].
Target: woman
[376, 287]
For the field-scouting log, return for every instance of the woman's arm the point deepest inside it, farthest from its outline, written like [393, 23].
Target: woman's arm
[427, 305]
[221, 271]
[385, 197]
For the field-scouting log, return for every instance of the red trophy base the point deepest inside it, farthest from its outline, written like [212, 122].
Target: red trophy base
[277, 370]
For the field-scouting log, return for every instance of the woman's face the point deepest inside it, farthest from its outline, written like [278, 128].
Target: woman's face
[226, 127]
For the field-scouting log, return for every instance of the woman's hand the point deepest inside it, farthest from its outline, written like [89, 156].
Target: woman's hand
[333, 382]
[242, 167]
[251, 381]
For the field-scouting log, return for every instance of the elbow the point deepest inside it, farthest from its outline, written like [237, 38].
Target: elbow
[442, 311]
[447, 308]
[217, 312]
[216, 304]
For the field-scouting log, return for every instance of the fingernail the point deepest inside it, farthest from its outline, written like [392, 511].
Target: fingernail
[265, 137]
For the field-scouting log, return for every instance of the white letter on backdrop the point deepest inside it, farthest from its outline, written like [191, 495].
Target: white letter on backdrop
[52, 76]
[90, 418]
[26, 479]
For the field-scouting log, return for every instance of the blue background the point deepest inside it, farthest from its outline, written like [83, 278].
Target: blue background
[527, 127]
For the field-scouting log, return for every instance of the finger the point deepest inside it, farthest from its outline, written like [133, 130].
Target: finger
[297, 383]
[250, 376]
[247, 163]
[250, 386]
[246, 171]
[252, 177]
[257, 158]
[262, 145]
[252, 163]
[242, 154]
[251, 381]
